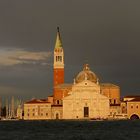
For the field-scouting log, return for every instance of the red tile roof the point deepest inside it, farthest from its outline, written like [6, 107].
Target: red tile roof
[132, 96]
[135, 100]
[34, 101]
[109, 85]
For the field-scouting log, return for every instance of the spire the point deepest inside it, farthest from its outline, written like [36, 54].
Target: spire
[58, 43]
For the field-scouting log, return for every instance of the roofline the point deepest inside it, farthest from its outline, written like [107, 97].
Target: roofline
[37, 103]
[108, 84]
[131, 96]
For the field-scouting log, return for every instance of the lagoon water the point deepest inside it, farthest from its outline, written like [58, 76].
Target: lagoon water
[70, 130]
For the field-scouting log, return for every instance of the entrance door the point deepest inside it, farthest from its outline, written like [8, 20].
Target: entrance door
[57, 116]
[86, 111]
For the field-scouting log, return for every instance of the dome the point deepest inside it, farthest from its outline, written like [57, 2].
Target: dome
[86, 74]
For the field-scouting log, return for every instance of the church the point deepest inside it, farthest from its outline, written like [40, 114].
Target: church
[84, 98]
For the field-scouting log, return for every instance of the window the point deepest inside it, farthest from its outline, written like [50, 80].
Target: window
[46, 114]
[33, 114]
[28, 114]
[57, 101]
[33, 110]
[41, 114]
[137, 106]
[60, 58]
[114, 101]
[131, 106]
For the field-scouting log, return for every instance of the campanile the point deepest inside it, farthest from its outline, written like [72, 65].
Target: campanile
[58, 61]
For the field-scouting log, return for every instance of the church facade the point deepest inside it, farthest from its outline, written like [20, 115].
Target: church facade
[85, 101]
[85, 98]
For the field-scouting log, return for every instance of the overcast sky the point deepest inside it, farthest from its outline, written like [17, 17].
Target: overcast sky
[103, 33]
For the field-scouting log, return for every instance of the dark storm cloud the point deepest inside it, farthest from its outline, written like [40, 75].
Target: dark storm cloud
[103, 33]
[30, 80]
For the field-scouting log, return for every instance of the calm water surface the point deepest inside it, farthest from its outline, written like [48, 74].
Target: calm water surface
[70, 130]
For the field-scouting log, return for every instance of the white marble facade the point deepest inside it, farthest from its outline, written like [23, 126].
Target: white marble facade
[85, 101]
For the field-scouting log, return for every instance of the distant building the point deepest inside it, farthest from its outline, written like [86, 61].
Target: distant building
[37, 109]
[85, 98]
[132, 106]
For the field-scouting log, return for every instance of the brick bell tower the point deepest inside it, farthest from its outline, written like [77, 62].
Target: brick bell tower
[58, 66]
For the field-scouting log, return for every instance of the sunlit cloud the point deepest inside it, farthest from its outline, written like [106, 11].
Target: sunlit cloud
[14, 57]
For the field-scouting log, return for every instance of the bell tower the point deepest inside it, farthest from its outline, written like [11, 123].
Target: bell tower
[58, 61]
